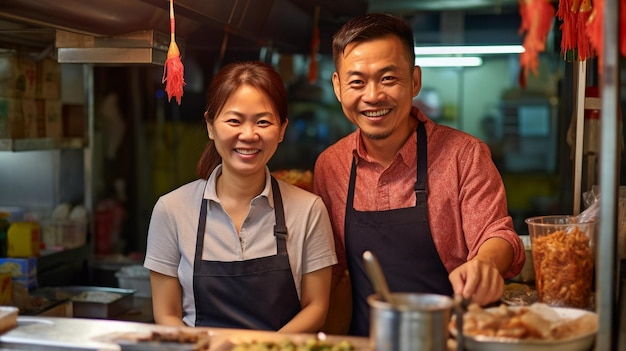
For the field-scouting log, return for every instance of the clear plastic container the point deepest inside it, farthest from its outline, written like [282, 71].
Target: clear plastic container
[563, 255]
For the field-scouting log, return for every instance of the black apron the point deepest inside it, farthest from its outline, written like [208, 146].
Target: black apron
[402, 242]
[255, 294]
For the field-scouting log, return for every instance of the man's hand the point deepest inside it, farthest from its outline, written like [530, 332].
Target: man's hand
[478, 279]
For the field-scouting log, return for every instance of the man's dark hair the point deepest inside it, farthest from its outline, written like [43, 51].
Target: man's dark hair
[373, 26]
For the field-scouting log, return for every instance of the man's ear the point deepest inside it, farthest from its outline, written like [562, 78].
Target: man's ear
[417, 80]
[337, 86]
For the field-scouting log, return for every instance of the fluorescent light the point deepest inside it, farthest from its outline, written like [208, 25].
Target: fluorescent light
[472, 50]
[467, 61]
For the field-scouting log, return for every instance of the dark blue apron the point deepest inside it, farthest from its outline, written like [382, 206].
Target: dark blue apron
[400, 239]
[255, 294]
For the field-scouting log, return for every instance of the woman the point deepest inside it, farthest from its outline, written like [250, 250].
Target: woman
[238, 248]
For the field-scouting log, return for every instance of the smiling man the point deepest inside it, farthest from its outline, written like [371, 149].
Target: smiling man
[426, 199]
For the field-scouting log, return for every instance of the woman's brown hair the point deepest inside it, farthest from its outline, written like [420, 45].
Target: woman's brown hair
[232, 76]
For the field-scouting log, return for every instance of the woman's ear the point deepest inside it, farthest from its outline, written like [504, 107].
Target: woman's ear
[209, 126]
[283, 129]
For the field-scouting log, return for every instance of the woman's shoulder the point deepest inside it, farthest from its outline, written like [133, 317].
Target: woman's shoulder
[193, 189]
[291, 190]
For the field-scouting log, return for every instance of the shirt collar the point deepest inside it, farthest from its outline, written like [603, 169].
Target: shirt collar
[210, 192]
[408, 151]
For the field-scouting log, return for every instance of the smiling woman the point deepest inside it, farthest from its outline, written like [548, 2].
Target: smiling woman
[258, 255]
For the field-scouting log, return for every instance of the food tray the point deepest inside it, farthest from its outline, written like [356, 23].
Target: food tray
[92, 309]
[228, 340]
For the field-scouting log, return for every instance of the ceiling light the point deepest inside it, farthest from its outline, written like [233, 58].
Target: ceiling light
[472, 50]
[468, 61]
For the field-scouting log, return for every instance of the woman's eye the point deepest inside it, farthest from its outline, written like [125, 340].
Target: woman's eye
[264, 122]
[232, 121]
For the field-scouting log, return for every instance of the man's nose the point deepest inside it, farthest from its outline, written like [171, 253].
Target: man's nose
[373, 92]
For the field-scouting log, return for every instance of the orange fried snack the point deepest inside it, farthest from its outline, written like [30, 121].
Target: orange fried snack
[564, 268]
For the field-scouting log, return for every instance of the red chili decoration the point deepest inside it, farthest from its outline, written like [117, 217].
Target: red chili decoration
[173, 70]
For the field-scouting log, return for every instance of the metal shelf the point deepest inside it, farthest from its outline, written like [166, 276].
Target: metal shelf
[41, 144]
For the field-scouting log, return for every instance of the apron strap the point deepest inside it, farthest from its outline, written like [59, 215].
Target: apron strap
[200, 234]
[421, 193]
[280, 229]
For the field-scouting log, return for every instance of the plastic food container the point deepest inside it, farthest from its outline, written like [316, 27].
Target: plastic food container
[563, 256]
[135, 277]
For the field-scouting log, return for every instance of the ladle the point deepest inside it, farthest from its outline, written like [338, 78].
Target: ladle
[376, 277]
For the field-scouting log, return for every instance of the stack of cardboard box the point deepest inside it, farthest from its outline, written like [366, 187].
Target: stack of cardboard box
[30, 97]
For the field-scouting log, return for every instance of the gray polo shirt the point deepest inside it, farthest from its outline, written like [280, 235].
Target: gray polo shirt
[174, 223]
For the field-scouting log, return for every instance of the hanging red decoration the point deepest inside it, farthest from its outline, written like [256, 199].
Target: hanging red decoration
[173, 70]
[622, 27]
[567, 14]
[537, 16]
[583, 46]
[315, 43]
[595, 30]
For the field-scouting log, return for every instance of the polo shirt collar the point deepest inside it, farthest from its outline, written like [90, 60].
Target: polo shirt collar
[210, 192]
[407, 153]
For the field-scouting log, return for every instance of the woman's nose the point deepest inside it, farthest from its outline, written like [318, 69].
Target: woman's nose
[248, 132]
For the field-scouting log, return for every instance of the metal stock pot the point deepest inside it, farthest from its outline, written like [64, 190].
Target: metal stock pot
[415, 322]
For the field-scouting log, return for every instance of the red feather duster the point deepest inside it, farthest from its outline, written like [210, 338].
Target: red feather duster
[173, 70]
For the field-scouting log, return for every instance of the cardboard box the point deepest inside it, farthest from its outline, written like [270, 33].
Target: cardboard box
[34, 119]
[11, 118]
[48, 79]
[24, 239]
[19, 268]
[18, 75]
[54, 118]
[6, 289]
[29, 282]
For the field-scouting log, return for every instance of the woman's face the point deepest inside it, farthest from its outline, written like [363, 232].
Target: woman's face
[246, 131]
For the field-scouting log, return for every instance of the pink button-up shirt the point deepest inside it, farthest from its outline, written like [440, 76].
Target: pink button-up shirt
[466, 196]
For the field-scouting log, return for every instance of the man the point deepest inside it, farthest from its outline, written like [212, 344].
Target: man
[426, 199]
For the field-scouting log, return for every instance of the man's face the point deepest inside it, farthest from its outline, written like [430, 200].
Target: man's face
[375, 85]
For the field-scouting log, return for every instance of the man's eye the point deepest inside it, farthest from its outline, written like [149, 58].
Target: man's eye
[388, 78]
[356, 82]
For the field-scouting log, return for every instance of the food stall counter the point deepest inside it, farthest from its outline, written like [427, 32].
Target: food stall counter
[35, 333]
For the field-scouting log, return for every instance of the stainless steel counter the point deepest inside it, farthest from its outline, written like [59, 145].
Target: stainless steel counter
[54, 333]
[62, 334]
